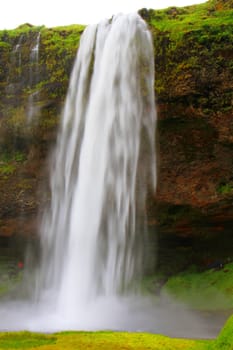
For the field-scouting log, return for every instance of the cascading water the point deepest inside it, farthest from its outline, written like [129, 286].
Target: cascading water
[90, 233]
[14, 76]
[32, 109]
[17, 51]
[34, 60]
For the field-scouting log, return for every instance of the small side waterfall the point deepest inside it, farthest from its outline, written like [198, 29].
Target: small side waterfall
[32, 109]
[15, 67]
[17, 51]
[34, 60]
[90, 234]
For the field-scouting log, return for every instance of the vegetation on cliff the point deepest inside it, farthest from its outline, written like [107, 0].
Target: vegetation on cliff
[194, 88]
[35, 67]
[194, 91]
[209, 290]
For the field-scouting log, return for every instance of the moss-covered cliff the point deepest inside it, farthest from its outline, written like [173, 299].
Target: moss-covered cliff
[35, 65]
[194, 92]
[194, 89]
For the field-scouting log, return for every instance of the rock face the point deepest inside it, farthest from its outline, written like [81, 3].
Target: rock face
[35, 66]
[194, 89]
[194, 92]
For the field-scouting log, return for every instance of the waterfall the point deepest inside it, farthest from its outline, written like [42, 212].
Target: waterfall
[14, 76]
[32, 108]
[17, 51]
[90, 234]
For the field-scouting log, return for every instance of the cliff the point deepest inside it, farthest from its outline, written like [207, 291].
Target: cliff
[194, 90]
[194, 93]
[35, 65]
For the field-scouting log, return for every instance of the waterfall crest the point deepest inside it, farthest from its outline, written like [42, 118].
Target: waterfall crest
[90, 234]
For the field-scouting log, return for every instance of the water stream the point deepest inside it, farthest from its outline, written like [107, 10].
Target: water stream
[32, 108]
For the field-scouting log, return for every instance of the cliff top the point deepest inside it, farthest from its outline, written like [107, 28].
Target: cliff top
[180, 20]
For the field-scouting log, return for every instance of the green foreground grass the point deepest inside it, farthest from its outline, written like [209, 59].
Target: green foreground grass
[113, 341]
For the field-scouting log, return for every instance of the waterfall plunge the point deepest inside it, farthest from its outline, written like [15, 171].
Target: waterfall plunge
[89, 235]
[92, 233]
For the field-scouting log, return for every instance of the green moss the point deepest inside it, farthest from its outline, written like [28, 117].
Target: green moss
[6, 157]
[24, 340]
[225, 188]
[19, 157]
[9, 161]
[179, 21]
[25, 29]
[210, 290]
[4, 45]
[96, 341]
[7, 169]
[225, 338]
[192, 51]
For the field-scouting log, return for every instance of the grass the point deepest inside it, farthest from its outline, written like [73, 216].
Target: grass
[209, 290]
[7, 169]
[188, 42]
[225, 338]
[178, 21]
[96, 340]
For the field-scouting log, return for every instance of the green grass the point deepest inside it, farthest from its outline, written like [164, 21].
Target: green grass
[208, 290]
[105, 340]
[96, 341]
[179, 21]
[188, 42]
[225, 338]
[7, 169]
[24, 340]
